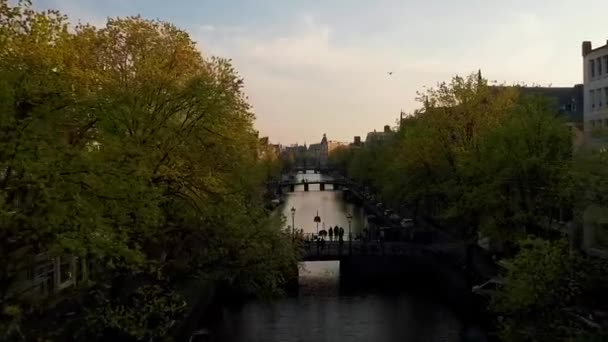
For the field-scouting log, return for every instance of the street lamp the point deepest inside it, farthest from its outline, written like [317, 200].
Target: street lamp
[293, 226]
[350, 237]
[317, 220]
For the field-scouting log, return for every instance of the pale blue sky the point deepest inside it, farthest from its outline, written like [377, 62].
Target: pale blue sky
[319, 66]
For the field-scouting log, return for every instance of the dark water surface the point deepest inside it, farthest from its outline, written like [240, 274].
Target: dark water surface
[323, 310]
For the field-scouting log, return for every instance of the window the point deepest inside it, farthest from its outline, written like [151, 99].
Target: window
[606, 63]
[592, 123]
[606, 122]
[592, 67]
[598, 94]
[599, 66]
[606, 95]
[592, 98]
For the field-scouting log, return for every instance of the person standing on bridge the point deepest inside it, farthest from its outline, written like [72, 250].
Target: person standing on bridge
[331, 234]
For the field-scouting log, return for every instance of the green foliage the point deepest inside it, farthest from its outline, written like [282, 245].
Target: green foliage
[476, 158]
[534, 277]
[147, 315]
[547, 290]
[124, 145]
[340, 158]
[522, 172]
[10, 323]
[481, 159]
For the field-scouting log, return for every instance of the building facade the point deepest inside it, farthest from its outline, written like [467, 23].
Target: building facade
[332, 145]
[595, 77]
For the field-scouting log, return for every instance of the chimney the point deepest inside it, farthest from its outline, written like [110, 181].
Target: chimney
[387, 129]
[586, 47]
[357, 140]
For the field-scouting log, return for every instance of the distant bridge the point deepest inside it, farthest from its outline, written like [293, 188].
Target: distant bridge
[337, 184]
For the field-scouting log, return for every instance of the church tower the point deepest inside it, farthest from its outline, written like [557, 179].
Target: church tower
[324, 152]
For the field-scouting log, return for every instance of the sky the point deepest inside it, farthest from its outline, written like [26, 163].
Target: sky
[320, 66]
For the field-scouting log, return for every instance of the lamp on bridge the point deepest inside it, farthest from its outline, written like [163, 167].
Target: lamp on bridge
[349, 217]
[293, 216]
[317, 220]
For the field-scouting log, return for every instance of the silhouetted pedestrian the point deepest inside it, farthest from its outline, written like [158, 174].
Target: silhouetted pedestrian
[331, 234]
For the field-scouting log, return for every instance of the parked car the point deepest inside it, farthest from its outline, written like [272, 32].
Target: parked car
[394, 217]
[486, 289]
[202, 335]
[388, 212]
[407, 223]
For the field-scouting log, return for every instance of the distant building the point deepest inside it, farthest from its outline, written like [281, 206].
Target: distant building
[568, 100]
[320, 152]
[276, 148]
[267, 150]
[595, 76]
[332, 145]
[378, 136]
[357, 141]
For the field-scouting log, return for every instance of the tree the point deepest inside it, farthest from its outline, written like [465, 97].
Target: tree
[123, 145]
[549, 293]
[476, 158]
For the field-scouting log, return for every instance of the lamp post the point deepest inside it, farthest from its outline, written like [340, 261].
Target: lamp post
[350, 237]
[293, 225]
[317, 220]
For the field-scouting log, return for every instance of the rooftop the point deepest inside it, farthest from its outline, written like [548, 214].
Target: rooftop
[587, 47]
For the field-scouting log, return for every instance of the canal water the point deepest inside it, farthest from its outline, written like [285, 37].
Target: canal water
[323, 310]
[329, 205]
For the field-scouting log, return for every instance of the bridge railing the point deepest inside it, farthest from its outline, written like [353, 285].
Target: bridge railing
[317, 247]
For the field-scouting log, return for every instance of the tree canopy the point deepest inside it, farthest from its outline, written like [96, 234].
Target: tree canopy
[125, 145]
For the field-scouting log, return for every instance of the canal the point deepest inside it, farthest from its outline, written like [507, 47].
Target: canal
[324, 309]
